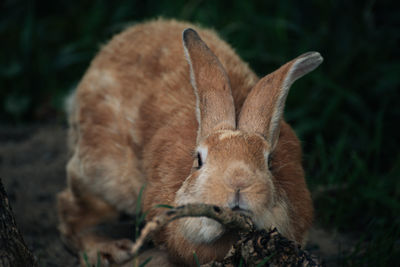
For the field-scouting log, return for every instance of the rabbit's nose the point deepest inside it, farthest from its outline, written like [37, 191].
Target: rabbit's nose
[238, 179]
[239, 185]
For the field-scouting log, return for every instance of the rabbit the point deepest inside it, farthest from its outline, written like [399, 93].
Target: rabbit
[192, 122]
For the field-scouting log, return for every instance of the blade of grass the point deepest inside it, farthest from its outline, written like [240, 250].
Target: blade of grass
[196, 259]
[86, 259]
[98, 264]
[145, 262]
[138, 218]
[241, 262]
[265, 260]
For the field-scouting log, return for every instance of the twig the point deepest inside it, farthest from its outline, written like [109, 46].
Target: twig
[228, 218]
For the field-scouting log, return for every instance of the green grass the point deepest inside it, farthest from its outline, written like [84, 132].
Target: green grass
[139, 216]
[196, 259]
[145, 262]
[264, 261]
[346, 112]
[87, 263]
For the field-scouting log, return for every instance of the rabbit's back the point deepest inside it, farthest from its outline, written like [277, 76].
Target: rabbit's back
[140, 81]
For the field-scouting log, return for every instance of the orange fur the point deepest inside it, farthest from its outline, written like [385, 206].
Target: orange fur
[133, 122]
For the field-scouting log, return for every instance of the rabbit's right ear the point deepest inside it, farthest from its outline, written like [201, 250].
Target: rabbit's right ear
[262, 110]
[214, 102]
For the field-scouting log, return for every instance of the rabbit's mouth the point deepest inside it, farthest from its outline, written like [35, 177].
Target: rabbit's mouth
[241, 210]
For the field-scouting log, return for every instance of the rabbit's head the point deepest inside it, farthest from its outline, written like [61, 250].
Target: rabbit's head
[232, 164]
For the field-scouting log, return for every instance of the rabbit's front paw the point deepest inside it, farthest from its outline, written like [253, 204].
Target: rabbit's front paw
[201, 230]
[107, 252]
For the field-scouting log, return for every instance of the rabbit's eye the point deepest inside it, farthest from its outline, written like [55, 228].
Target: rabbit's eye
[270, 162]
[199, 161]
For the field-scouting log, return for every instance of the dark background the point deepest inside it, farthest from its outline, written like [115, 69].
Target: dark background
[346, 112]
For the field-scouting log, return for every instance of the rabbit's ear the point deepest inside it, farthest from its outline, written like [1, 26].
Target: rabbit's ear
[214, 102]
[263, 108]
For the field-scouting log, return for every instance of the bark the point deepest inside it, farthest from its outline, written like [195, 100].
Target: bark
[13, 250]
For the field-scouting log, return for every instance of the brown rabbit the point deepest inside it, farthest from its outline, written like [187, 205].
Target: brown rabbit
[200, 130]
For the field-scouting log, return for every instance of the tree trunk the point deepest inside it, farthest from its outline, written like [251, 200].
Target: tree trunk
[13, 250]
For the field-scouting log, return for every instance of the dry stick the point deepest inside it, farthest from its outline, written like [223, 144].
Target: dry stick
[228, 218]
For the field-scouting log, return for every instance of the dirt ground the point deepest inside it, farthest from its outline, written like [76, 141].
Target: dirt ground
[32, 167]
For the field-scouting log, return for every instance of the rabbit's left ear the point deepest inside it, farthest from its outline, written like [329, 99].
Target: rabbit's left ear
[263, 108]
[214, 102]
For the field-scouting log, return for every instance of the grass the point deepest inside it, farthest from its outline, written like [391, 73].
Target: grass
[196, 259]
[264, 261]
[139, 216]
[87, 263]
[139, 221]
[345, 113]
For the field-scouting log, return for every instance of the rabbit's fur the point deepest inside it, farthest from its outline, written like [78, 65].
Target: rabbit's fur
[143, 114]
